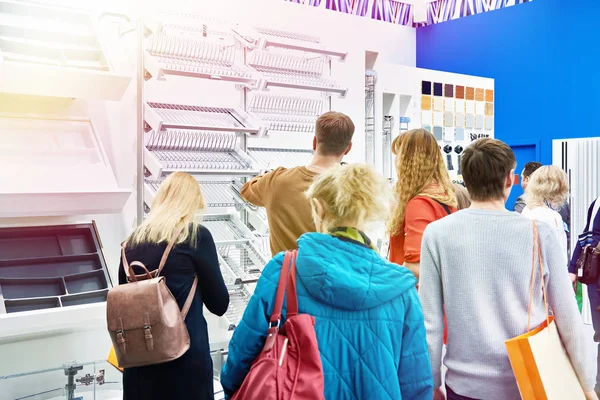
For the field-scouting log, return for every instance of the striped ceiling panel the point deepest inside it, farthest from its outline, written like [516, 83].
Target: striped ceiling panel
[401, 13]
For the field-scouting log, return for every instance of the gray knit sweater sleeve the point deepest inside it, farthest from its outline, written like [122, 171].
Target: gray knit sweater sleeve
[566, 312]
[476, 266]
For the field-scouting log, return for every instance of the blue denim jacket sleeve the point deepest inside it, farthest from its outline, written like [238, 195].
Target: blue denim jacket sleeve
[414, 372]
[249, 336]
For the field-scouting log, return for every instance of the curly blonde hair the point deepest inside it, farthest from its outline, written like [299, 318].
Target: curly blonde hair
[419, 165]
[352, 193]
[547, 185]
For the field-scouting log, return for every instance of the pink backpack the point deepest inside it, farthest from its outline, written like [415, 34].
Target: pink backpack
[289, 367]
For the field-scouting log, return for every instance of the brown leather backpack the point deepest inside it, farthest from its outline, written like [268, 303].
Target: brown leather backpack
[144, 320]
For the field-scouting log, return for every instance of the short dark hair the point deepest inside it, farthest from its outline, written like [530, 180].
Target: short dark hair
[485, 164]
[530, 168]
[334, 132]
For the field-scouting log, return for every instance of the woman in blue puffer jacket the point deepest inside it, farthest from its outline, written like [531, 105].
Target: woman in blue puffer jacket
[369, 322]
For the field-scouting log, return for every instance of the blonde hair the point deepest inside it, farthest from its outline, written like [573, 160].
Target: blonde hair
[352, 193]
[419, 164]
[547, 185]
[462, 196]
[175, 205]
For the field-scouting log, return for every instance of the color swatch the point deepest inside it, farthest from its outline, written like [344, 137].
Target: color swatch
[470, 121]
[426, 87]
[479, 94]
[438, 104]
[460, 92]
[448, 119]
[479, 122]
[479, 108]
[489, 109]
[470, 107]
[449, 105]
[448, 90]
[489, 95]
[425, 102]
[437, 89]
[470, 93]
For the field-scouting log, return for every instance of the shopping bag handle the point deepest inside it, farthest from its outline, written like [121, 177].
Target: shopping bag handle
[537, 249]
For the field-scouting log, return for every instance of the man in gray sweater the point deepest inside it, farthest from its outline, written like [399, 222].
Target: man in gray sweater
[476, 264]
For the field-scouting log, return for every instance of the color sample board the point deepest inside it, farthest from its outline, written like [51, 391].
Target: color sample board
[456, 115]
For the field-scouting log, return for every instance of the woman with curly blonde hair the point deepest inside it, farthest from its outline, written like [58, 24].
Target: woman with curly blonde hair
[546, 193]
[424, 194]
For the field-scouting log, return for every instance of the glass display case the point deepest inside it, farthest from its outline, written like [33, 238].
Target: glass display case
[95, 380]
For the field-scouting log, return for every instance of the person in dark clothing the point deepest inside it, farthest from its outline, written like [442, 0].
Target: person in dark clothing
[190, 377]
[528, 169]
[590, 236]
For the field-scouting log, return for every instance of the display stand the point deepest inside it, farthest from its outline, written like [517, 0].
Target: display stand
[283, 81]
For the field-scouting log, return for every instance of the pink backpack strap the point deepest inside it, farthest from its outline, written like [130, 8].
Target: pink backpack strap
[129, 271]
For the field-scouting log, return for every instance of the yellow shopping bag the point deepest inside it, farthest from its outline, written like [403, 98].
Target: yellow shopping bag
[539, 361]
[112, 359]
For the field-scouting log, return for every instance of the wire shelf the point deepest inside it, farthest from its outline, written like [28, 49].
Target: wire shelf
[195, 57]
[273, 158]
[162, 116]
[177, 115]
[286, 113]
[229, 276]
[238, 301]
[190, 140]
[187, 160]
[216, 193]
[222, 228]
[244, 260]
[287, 63]
[288, 35]
[191, 48]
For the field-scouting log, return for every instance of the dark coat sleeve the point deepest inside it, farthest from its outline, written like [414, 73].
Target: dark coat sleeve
[210, 279]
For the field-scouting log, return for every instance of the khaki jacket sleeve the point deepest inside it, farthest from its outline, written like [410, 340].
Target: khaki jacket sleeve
[257, 190]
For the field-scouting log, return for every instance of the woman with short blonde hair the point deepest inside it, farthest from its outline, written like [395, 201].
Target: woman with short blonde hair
[547, 192]
[352, 292]
[424, 194]
[174, 209]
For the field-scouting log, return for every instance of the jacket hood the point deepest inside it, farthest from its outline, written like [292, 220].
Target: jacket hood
[347, 275]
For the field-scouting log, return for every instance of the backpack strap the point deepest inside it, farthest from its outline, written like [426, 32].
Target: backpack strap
[163, 260]
[444, 205]
[128, 268]
[190, 298]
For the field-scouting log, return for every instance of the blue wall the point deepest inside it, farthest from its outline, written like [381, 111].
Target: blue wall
[545, 59]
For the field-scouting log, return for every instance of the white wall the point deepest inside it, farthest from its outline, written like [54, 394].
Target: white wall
[117, 128]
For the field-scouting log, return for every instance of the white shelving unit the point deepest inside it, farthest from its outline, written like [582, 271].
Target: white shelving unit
[284, 84]
[55, 159]
[54, 51]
